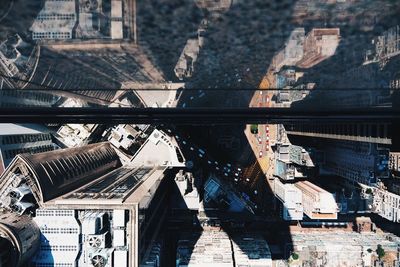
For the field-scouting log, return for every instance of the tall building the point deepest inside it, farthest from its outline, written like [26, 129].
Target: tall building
[74, 135]
[291, 199]
[357, 162]
[90, 210]
[319, 44]
[317, 202]
[373, 132]
[22, 138]
[12, 98]
[215, 248]
[386, 46]
[394, 163]
[386, 204]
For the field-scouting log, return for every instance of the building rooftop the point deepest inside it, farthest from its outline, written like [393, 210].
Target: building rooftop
[60, 171]
[159, 150]
[213, 248]
[56, 16]
[251, 250]
[125, 185]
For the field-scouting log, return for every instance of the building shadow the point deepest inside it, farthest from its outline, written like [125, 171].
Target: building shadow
[245, 39]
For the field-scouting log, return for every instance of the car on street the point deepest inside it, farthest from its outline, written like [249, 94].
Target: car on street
[259, 140]
[260, 154]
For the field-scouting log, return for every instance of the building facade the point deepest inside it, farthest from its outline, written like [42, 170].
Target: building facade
[22, 138]
[291, 199]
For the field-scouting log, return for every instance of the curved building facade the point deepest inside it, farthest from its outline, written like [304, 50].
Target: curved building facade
[19, 239]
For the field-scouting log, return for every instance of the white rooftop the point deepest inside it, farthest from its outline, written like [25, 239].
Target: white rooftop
[158, 150]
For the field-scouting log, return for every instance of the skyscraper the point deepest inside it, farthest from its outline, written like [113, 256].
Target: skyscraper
[90, 210]
[22, 138]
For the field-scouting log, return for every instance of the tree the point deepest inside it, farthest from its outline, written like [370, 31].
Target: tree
[295, 256]
[369, 250]
[368, 191]
[254, 128]
[380, 251]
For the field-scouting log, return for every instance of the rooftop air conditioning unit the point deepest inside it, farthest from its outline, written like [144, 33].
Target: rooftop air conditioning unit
[96, 241]
[101, 258]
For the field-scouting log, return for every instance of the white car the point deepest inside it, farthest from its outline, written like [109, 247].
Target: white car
[260, 154]
[191, 148]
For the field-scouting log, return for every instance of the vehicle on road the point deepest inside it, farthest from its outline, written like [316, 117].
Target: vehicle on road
[260, 154]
